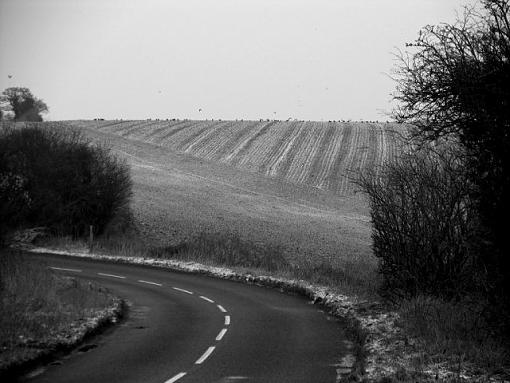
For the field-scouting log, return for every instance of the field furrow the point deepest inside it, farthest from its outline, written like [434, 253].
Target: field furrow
[161, 130]
[239, 133]
[301, 155]
[374, 146]
[324, 160]
[137, 129]
[262, 147]
[221, 134]
[184, 138]
[239, 154]
[278, 147]
[173, 137]
[310, 151]
[336, 174]
[275, 167]
[201, 141]
[123, 126]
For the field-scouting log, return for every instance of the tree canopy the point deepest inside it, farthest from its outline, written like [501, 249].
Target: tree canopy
[23, 104]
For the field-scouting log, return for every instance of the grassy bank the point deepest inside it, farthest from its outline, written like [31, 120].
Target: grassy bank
[42, 311]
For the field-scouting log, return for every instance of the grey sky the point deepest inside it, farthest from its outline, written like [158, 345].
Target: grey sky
[251, 59]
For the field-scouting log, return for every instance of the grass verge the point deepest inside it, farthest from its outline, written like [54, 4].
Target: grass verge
[43, 313]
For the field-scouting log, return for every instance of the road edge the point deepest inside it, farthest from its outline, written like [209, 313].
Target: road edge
[102, 320]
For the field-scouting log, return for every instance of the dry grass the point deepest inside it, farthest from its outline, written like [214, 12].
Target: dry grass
[37, 306]
[227, 250]
[454, 332]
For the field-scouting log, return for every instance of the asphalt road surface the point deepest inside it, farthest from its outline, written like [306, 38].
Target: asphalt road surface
[190, 328]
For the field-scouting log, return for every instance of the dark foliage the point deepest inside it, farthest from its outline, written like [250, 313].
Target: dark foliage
[422, 224]
[456, 82]
[51, 176]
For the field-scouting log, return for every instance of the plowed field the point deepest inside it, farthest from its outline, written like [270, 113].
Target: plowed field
[325, 155]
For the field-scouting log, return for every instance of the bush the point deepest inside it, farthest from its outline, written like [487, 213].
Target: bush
[51, 176]
[422, 224]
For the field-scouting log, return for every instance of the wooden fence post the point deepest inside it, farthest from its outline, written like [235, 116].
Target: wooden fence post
[91, 237]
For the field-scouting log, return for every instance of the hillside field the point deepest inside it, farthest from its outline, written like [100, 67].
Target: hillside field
[284, 183]
[325, 155]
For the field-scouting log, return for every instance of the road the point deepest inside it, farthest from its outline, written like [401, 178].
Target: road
[192, 328]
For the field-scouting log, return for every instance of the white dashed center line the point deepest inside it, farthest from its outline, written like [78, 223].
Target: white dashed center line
[63, 269]
[208, 352]
[176, 377]
[206, 355]
[206, 299]
[182, 290]
[111, 275]
[221, 334]
[150, 283]
[222, 309]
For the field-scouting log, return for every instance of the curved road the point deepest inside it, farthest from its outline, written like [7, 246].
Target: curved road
[190, 328]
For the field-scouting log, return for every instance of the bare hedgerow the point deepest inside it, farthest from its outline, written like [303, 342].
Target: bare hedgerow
[423, 223]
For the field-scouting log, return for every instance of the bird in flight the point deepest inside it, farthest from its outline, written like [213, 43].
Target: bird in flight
[199, 109]
[9, 75]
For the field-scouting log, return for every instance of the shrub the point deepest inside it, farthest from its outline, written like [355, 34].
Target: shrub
[422, 223]
[65, 182]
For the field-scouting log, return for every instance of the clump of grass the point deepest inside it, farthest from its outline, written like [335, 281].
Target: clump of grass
[228, 250]
[357, 277]
[456, 332]
[37, 305]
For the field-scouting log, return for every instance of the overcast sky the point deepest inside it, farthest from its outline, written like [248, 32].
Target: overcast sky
[251, 59]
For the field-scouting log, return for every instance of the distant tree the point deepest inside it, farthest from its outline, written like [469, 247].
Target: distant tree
[24, 105]
[455, 82]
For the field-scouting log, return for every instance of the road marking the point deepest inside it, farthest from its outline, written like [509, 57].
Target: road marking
[182, 290]
[206, 299]
[227, 320]
[221, 334]
[111, 275]
[176, 377]
[62, 269]
[222, 309]
[206, 355]
[150, 283]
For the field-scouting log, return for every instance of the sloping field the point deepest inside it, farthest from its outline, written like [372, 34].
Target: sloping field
[278, 183]
[325, 155]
